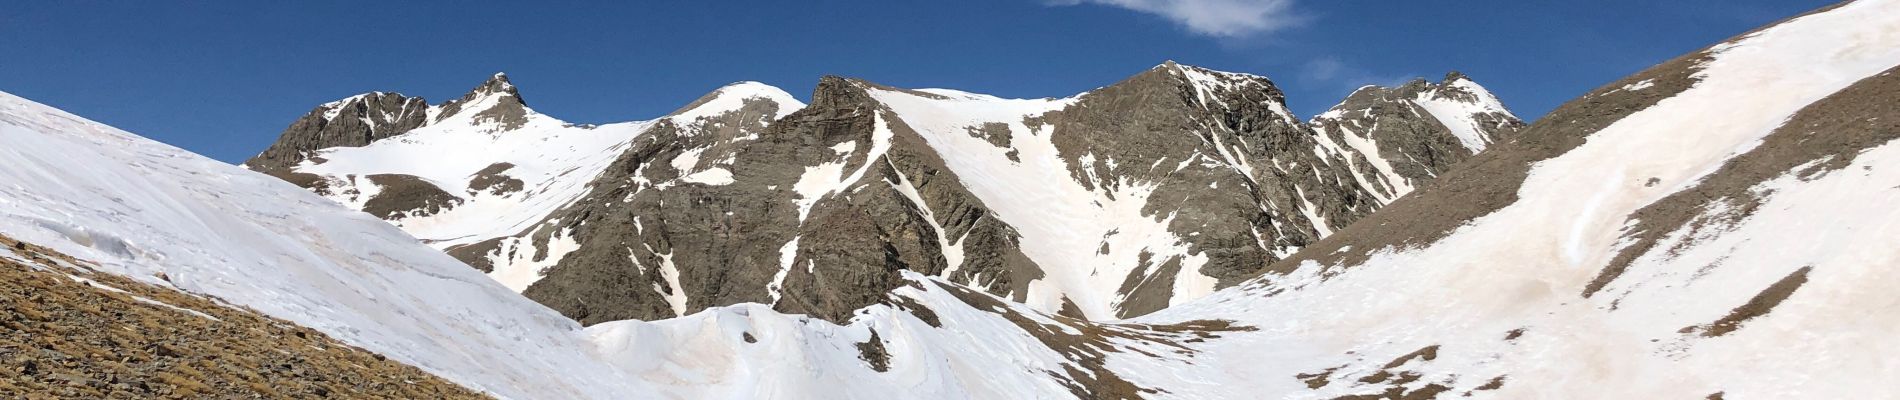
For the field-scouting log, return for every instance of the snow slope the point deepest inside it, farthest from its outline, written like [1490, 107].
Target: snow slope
[1491, 309]
[1372, 132]
[1456, 112]
[1063, 223]
[555, 162]
[140, 208]
[1497, 299]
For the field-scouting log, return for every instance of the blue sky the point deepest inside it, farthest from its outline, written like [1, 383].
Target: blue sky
[223, 78]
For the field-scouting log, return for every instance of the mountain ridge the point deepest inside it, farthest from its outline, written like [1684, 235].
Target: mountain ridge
[1217, 128]
[1716, 226]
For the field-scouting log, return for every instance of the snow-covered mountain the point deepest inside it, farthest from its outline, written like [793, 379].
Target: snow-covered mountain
[104, 201]
[1107, 204]
[1713, 227]
[483, 187]
[166, 217]
[1396, 139]
[1717, 226]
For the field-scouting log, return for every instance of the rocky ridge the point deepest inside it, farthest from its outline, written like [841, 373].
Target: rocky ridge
[1395, 139]
[1109, 204]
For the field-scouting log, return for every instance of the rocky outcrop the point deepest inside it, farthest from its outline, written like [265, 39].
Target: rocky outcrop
[1394, 139]
[351, 122]
[402, 196]
[1226, 166]
[656, 245]
[358, 120]
[494, 104]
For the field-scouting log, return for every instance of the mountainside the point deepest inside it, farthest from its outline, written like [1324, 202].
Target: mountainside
[1713, 227]
[182, 238]
[1400, 138]
[173, 220]
[1717, 226]
[171, 344]
[1108, 204]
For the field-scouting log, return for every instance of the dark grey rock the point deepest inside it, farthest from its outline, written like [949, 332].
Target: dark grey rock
[351, 122]
[1413, 141]
[508, 112]
[494, 180]
[403, 196]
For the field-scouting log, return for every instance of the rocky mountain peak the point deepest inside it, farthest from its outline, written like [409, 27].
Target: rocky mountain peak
[1213, 90]
[1458, 87]
[496, 85]
[836, 91]
[356, 121]
[738, 96]
[494, 102]
[349, 122]
[1410, 133]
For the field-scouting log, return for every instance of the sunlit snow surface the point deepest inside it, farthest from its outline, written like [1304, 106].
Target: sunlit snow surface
[1465, 118]
[555, 160]
[1523, 266]
[1063, 223]
[140, 207]
[1454, 114]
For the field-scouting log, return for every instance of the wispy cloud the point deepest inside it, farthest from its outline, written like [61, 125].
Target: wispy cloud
[1337, 73]
[1216, 18]
[1323, 69]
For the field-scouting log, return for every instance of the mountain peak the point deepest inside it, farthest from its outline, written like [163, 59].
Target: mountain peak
[839, 91]
[496, 84]
[1455, 110]
[1210, 89]
[738, 95]
[1454, 76]
[350, 121]
[495, 101]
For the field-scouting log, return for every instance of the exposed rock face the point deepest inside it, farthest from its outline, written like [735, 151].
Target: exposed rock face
[358, 120]
[495, 103]
[351, 122]
[402, 196]
[657, 245]
[1212, 162]
[1109, 204]
[1399, 138]
[495, 180]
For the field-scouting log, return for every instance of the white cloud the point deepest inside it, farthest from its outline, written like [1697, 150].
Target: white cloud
[1217, 18]
[1323, 69]
[1332, 73]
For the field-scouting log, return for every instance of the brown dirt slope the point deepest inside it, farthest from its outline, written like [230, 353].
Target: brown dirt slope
[108, 337]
